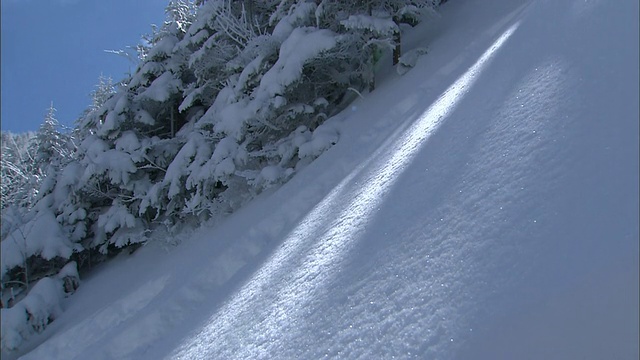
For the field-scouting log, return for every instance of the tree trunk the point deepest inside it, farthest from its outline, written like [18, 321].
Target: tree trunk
[173, 125]
[397, 38]
[397, 51]
[248, 8]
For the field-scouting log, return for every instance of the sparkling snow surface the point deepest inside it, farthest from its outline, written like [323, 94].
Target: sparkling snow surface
[482, 206]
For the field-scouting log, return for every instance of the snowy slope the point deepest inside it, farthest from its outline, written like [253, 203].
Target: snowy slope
[483, 206]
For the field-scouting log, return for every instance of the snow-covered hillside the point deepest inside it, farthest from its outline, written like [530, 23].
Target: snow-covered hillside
[482, 206]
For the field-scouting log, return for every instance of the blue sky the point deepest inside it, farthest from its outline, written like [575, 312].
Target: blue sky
[53, 50]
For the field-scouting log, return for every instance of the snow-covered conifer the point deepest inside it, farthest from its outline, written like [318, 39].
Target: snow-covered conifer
[228, 98]
[51, 146]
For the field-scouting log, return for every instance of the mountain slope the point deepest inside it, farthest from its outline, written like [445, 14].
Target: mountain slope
[484, 205]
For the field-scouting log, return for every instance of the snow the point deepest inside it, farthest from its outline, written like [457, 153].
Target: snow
[69, 176]
[43, 302]
[117, 216]
[123, 103]
[249, 71]
[163, 48]
[301, 45]
[288, 23]
[231, 113]
[371, 23]
[199, 37]
[128, 142]
[71, 269]
[43, 236]
[142, 116]
[176, 169]
[161, 88]
[42, 305]
[271, 174]
[322, 138]
[409, 60]
[484, 205]
[14, 326]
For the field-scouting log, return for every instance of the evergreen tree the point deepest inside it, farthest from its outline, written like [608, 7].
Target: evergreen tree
[50, 145]
[228, 98]
[20, 175]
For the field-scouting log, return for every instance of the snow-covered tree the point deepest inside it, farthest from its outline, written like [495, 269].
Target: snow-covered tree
[103, 91]
[52, 148]
[228, 98]
[20, 174]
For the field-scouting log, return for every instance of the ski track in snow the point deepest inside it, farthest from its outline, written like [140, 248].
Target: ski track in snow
[468, 211]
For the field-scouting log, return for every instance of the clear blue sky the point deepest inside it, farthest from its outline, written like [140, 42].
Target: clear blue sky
[53, 50]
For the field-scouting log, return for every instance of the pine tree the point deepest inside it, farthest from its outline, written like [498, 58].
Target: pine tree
[228, 98]
[20, 173]
[49, 143]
